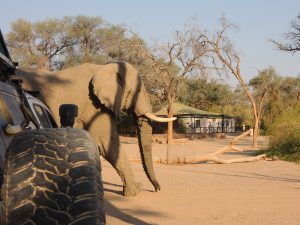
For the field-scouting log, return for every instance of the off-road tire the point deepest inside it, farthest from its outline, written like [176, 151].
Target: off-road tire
[52, 176]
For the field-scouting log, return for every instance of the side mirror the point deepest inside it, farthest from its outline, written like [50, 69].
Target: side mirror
[67, 114]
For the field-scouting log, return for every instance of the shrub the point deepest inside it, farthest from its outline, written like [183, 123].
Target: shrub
[285, 136]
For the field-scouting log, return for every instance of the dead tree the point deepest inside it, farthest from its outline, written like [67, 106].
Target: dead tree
[229, 59]
[292, 37]
[172, 62]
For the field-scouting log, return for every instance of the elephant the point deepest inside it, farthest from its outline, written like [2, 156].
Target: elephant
[101, 93]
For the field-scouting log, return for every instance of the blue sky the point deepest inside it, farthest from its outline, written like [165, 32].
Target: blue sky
[258, 21]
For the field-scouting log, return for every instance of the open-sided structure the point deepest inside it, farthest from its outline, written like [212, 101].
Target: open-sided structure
[194, 121]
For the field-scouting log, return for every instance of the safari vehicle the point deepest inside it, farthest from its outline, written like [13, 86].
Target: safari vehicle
[49, 175]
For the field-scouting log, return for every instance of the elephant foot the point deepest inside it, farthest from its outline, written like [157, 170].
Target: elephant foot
[132, 190]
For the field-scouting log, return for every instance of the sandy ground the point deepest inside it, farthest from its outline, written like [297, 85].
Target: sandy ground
[253, 193]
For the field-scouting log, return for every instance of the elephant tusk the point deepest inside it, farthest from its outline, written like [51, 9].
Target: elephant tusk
[159, 119]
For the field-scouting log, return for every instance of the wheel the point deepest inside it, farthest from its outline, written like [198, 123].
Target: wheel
[52, 176]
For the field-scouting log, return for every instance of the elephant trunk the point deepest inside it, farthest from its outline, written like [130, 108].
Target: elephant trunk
[144, 131]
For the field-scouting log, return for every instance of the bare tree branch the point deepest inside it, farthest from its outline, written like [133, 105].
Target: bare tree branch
[292, 37]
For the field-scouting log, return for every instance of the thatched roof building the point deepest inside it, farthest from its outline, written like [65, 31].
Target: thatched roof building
[184, 110]
[192, 120]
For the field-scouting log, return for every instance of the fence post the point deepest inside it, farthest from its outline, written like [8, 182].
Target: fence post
[222, 123]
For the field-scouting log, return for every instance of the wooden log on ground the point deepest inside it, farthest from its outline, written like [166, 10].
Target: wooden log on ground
[212, 157]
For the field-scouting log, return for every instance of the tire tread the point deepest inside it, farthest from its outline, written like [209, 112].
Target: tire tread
[52, 176]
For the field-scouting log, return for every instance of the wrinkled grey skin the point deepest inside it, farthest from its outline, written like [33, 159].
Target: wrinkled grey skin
[101, 92]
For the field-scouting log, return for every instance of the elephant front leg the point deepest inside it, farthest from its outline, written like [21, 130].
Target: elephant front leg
[104, 130]
[118, 159]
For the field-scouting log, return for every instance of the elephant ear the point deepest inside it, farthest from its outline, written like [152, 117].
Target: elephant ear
[108, 84]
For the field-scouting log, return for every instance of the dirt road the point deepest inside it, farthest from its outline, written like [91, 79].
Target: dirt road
[263, 192]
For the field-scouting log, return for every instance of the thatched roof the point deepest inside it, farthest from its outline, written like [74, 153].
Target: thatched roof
[181, 109]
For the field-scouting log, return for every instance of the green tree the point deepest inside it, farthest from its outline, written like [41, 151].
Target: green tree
[217, 97]
[274, 94]
[97, 41]
[60, 43]
[42, 44]
[283, 97]
[86, 31]
[290, 90]
[206, 95]
[285, 135]
[265, 87]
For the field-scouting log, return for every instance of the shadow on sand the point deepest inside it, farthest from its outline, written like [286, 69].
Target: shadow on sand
[244, 175]
[106, 189]
[127, 215]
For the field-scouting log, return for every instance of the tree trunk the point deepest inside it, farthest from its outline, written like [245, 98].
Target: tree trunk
[261, 100]
[254, 109]
[170, 130]
[170, 127]
[169, 139]
[170, 114]
[236, 72]
[255, 132]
